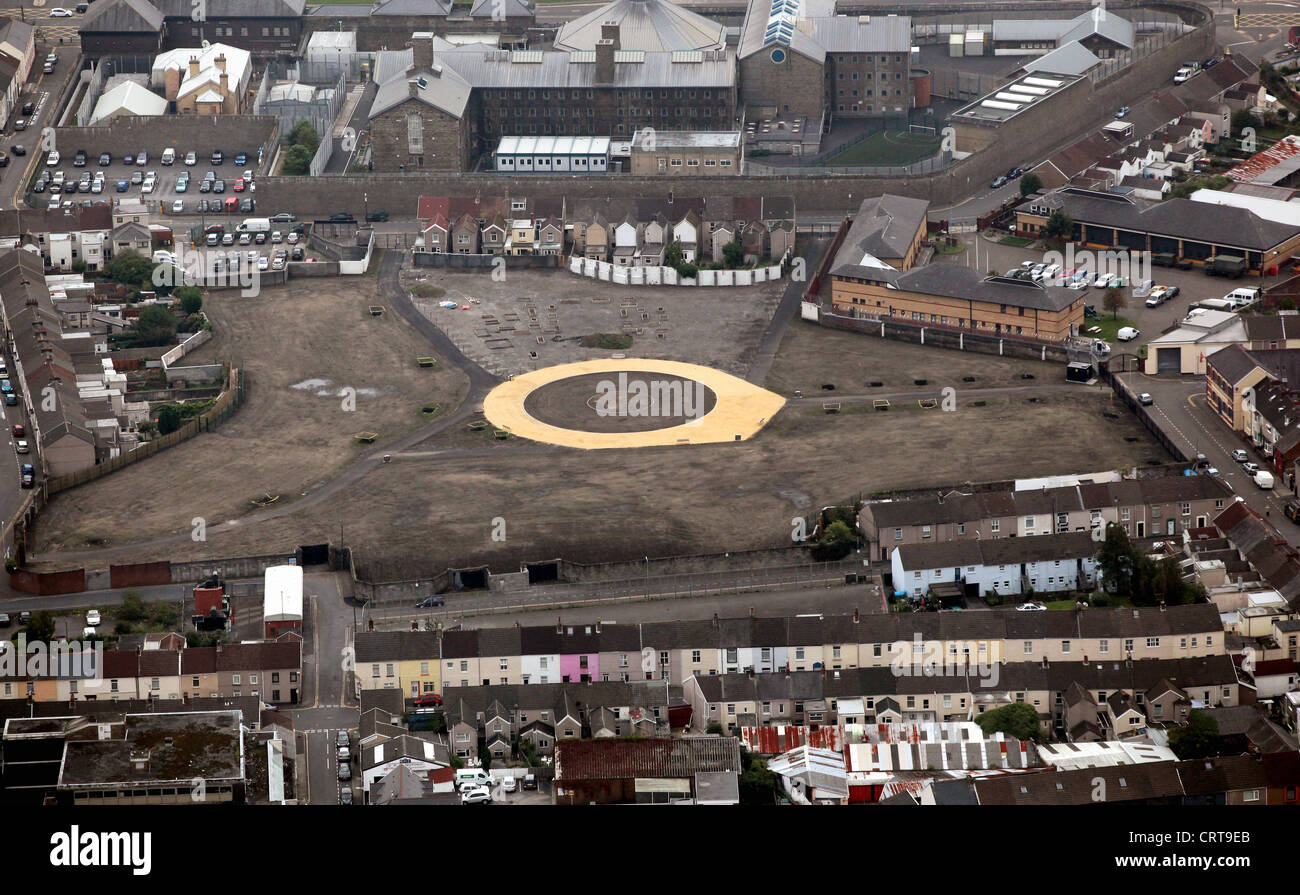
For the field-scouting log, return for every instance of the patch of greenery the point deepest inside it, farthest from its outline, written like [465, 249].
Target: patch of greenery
[427, 290]
[608, 341]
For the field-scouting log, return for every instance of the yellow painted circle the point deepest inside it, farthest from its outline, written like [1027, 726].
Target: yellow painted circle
[742, 409]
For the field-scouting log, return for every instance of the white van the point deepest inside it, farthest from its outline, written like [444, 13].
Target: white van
[1239, 298]
[1264, 480]
[169, 156]
[467, 777]
[1128, 333]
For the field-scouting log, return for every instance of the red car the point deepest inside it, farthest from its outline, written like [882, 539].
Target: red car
[428, 699]
[20, 431]
[239, 185]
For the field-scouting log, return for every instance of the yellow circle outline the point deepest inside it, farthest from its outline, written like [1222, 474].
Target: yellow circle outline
[741, 411]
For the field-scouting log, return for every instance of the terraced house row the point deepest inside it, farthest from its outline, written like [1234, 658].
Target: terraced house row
[269, 670]
[1120, 697]
[1152, 507]
[420, 662]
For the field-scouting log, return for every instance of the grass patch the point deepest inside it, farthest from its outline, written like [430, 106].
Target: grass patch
[427, 290]
[610, 341]
[1018, 241]
[942, 248]
[886, 148]
[1109, 326]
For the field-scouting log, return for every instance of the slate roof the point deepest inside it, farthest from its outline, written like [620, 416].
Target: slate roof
[1181, 218]
[123, 16]
[397, 646]
[954, 281]
[443, 89]
[1232, 362]
[884, 227]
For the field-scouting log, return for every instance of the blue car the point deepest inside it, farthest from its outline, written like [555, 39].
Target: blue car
[6, 386]
[241, 159]
[123, 186]
[128, 159]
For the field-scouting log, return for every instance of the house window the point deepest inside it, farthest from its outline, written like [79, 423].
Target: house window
[798, 652]
[234, 679]
[925, 531]
[898, 534]
[1065, 646]
[1153, 643]
[695, 656]
[388, 668]
[1029, 647]
[1128, 645]
[1250, 795]
[505, 664]
[994, 525]
[1104, 646]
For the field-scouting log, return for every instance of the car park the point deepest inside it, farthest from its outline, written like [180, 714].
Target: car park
[241, 159]
[148, 187]
[122, 186]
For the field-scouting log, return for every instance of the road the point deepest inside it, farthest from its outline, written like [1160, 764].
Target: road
[1181, 411]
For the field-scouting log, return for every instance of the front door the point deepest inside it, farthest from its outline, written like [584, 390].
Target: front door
[1171, 525]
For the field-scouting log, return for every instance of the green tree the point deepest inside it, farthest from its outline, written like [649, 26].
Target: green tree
[303, 134]
[673, 254]
[169, 419]
[733, 254]
[1030, 184]
[757, 783]
[131, 268]
[836, 541]
[155, 326]
[40, 627]
[1113, 300]
[132, 608]
[191, 298]
[148, 427]
[1199, 739]
[484, 757]
[457, 762]
[1017, 719]
[1058, 226]
[714, 728]
[298, 160]
[528, 753]
[1119, 562]
[688, 271]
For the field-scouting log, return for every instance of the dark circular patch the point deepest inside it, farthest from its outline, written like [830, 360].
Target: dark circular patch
[591, 402]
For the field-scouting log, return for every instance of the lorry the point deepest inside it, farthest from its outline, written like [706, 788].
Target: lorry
[1225, 266]
[254, 225]
[1264, 480]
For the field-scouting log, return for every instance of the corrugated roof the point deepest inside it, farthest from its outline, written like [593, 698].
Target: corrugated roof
[654, 25]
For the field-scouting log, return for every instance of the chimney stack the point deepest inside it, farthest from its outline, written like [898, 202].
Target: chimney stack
[609, 31]
[605, 61]
[422, 49]
[194, 66]
[220, 62]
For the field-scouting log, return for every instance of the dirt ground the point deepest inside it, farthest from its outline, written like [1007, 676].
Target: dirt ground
[302, 346]
[812, 356]
[715, 327]
[575, 403]
[434, 506]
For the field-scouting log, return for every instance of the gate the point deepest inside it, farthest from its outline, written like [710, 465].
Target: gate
[314, 554]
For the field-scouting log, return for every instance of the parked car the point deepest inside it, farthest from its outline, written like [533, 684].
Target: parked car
[20, 124]
[246, 206]
[218, 186]
[19, 430]
[238, 185]
[241, 159]
[530, 781]
[292, 238]
[191, 158]
[217, 157]
[24, 617]
[283, 217]
[998, 181]
[21, 447]
[1240, 456]
[1031, 607]
[137, 177]
[344, 754]
[345, 770]
[122, 186]
[1292, 511]
[5, 621]
[345, 796]
[509, 784]
[29, 108]
[379, 216]
[1123, 110]
[342, 218]
[343, 739]
[79, 160]
[59, 12]
[18, 149]
[53, 160]
[427, 700]
[476, 795]
[1128, 333]
[178, 207]
[1145, 399]
[1251, 468]
[92, 617]
[28, 475]
[142, 159]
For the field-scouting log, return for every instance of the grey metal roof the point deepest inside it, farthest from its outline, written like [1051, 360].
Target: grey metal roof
[234, 9]
[846, 34]
[952, 281]
[441, 88]
[412, 8]
[122, 16]
[1072, 58]
[1029, 29]
[391, 63]
[1103, 23]
[654, 25]
[485, 67]
[509, 8]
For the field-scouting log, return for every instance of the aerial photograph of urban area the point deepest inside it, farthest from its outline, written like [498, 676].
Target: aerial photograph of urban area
[777, 403]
